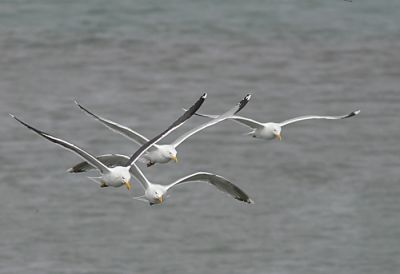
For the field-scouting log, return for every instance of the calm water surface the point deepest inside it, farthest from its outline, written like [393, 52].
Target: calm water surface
[327, 196]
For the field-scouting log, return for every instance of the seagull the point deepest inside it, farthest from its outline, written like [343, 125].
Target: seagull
[272, 130]
[114, 176]
[155, 193]
[157, 153]
[119, 175]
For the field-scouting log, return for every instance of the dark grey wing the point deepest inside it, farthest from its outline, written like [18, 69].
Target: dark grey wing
[118, 128]
[218, 181]
[171, 128]
[83, 154]
[110, 160]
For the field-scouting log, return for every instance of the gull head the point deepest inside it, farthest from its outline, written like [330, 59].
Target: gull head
[125, 177]
[155, 194]
[276, 131]
[272, 131]
[170, 152]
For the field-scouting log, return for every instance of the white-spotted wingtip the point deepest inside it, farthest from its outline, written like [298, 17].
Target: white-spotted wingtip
[351, 114]
[76, 102]
[204, 96]
[247, 97]
[250, 201]
[12, 115]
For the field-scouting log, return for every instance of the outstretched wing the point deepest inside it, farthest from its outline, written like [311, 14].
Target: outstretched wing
[229, 114]
[218, 181]
[139, 176]
[83, 154]
[308, 117]
[247, 121]
[110, 160]
[171, 128]
[240, 119]
[118, 128]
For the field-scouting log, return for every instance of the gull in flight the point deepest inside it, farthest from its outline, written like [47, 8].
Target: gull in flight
[272, 130]
[157, 153]
[119, 175]
[155, 193]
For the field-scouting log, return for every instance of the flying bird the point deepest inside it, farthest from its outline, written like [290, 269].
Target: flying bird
[157, 153]
[118, 175]
[114, 176]
[156, 194]
[273, 130]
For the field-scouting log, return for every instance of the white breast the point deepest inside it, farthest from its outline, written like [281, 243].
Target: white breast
[156, 156]
[113, 178]
[264, 133]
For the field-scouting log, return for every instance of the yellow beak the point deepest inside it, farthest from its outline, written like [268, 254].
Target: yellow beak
[174, 158]
[278, 136]
[128, 185]
[161, 199]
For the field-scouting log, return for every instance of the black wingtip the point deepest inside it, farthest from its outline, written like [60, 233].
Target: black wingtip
[203, 97]
[243, 102]
[16, 118]
[189, 112]
[79, 105]
[354, 113]
[86, 110]
[245, 200]
[28, 126]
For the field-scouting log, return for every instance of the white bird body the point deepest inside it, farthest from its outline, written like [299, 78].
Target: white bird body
[116, 177]
[154, 193]
[161, 154]
[267, 131]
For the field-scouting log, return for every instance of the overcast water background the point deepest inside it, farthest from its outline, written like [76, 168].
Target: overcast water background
[327, 198]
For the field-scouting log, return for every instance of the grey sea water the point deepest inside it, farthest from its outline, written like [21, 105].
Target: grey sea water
[327, 198]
